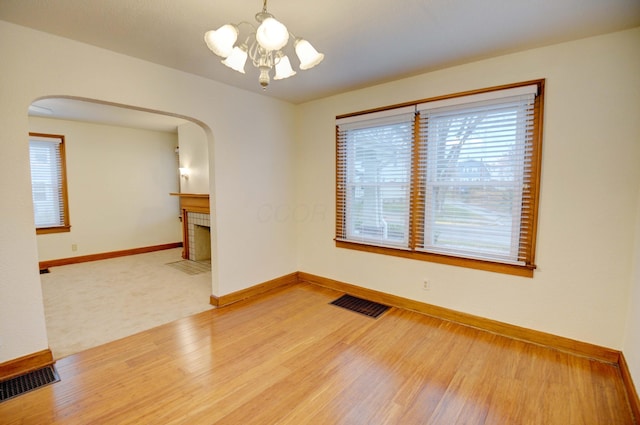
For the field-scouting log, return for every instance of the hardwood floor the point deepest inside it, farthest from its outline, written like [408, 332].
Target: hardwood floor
[288, 357]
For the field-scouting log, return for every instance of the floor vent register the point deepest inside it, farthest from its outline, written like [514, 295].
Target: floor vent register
[29, 381]
[359, 305]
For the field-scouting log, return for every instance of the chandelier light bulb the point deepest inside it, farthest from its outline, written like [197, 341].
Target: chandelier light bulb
[309, 57]
[283, 69]
[272, 34]
[221, 40]
[237, 58]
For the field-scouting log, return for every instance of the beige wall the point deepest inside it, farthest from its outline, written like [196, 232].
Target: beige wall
[272, 183]
[239, 153]
[194, 155]
[632, 340]
[119, 180]
[588, 204]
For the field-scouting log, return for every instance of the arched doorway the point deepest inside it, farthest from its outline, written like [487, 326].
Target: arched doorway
[122, 164]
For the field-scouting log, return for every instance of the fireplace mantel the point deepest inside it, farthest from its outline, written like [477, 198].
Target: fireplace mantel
[194, 202]
[191, 203]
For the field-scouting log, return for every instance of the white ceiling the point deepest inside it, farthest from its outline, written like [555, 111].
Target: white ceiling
[365, 42]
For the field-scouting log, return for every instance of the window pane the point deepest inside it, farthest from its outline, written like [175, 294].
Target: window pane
[378, 183]
[47, 181]
[474, 173]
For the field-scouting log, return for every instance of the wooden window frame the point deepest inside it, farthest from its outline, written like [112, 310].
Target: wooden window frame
[416, 214]
[66, 227]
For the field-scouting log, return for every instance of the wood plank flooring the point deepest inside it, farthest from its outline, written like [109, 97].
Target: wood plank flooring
[288, 357]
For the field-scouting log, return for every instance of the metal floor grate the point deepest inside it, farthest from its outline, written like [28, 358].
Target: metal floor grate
[29, 381]
[359, 305]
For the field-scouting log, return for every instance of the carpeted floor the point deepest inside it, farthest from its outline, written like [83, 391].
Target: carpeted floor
[89, 304]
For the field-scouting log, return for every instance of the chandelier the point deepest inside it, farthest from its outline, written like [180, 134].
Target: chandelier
[264, 46]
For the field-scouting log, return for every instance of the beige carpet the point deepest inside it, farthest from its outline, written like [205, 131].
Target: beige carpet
[89, 304]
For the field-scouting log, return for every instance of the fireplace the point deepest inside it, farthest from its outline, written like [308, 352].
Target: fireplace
[199, 236]
[196, 226]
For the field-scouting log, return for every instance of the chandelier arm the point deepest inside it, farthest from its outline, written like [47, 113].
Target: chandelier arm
[259, 56]
[254, 54]
[246, 23]
[253, 27]
[246, 40]
[277, 57]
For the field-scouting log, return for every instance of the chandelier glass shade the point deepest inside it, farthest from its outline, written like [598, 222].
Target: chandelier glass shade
[264, 46]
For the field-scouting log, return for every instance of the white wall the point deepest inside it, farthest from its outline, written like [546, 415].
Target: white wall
[252, 165]
[194, 155]
[118, 182]
[588, 204]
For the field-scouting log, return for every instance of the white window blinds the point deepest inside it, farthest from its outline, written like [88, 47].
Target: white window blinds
[474, 167]
[453, 180]
[374, 157]
[47, 181]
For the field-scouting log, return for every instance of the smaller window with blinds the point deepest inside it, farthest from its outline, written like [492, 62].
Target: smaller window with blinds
[48, 183]
[375, 166]
[452, 180]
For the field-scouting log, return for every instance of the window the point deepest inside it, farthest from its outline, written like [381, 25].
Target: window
[376, 157]
[452, 180]
[48, 183]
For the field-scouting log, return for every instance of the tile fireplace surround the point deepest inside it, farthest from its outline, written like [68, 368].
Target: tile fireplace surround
[198, 237]
[196, 222]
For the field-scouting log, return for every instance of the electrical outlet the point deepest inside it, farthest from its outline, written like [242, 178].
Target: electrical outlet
[74, 247]
[426, 284]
